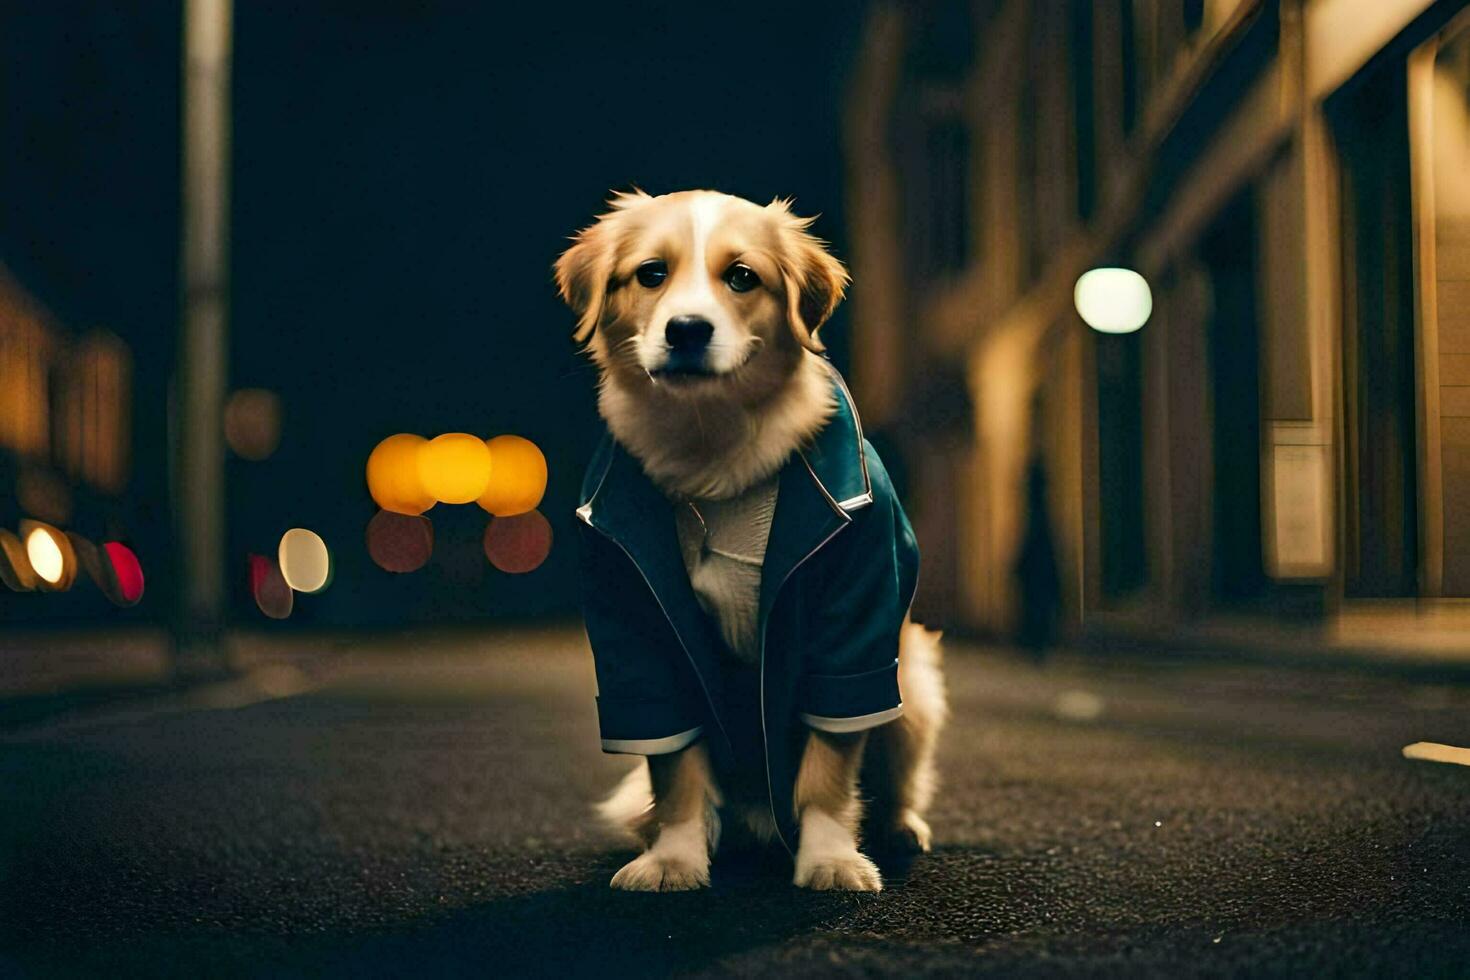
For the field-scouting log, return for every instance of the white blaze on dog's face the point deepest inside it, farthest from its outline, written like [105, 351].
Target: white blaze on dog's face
[699, 292]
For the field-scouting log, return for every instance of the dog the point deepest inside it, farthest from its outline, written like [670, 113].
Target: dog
[701, 312]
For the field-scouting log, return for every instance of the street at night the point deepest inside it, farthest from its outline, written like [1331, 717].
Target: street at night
[418, 418]
[420, 805]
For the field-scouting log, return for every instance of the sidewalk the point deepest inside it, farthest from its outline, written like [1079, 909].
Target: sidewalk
[37, 663]
[47, 675]
[65, 676]
[1417, 639]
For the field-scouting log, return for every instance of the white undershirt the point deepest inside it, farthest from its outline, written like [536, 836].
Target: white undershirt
[724, 545]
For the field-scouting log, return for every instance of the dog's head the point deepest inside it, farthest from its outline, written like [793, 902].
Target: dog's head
[699, 291]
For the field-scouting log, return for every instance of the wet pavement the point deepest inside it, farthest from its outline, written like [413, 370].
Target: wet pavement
[418, 806]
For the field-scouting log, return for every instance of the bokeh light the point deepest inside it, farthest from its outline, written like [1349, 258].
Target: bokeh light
[455, 467]
[253, 423]
[113, 567]
[518, 479]
[400, 542]
[518, 544]
[1113, 300]
[128, 569]
[15, 568]
[50, 555]
[272, 595]
[393, 475]
[45, 555]
[305, 563]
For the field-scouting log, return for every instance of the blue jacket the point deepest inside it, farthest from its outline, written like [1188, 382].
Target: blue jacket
[840, 570]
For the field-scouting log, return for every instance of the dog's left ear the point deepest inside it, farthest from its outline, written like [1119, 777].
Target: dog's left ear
[815, 281]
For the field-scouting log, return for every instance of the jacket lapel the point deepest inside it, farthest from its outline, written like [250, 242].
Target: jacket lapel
[627, 508]
[819, 487]
[805, 520]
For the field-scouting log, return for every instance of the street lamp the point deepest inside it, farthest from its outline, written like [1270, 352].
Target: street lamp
[1112, 300]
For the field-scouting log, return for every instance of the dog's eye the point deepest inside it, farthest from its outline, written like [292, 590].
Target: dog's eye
[741, 278]
[653, 272]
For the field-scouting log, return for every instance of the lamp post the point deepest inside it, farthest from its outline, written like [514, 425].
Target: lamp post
[201, 373]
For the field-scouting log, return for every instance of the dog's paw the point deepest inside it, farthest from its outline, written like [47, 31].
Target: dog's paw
[650, 872]
[849, 872]
[910, 834]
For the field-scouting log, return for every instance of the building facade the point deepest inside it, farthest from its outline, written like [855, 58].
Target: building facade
[1287, 440]
[65, 403]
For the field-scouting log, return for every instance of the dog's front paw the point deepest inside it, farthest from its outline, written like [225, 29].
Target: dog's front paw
[650, 872]
[850, 872]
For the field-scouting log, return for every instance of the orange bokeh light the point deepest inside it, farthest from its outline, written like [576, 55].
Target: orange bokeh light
[393, 475]
[518, 481]
[455, 467]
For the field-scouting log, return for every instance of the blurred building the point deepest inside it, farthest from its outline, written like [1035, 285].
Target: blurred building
[1287, 439]
[89, 294]
[65, 412]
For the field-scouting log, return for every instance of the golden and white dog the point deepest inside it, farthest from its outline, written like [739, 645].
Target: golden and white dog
[701, 311]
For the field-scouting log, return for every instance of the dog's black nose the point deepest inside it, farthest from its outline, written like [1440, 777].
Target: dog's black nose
[688, 333]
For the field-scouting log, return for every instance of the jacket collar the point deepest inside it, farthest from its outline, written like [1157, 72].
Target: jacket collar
[834, 463]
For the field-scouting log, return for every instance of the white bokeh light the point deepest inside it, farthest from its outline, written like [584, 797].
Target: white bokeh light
[305, 562]
[1113, 300]
[45, 555]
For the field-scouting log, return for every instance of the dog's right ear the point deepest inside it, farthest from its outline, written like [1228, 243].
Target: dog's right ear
[581, 278]
[584, 270]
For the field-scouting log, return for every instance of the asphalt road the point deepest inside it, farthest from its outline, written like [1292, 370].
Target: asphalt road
[417, 806]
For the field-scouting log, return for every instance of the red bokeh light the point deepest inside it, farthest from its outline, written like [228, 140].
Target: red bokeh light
[400, 542]
[518, 544]
[268, 586]
[128, 570]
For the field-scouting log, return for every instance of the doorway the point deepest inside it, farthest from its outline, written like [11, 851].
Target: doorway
[1229, 254]
[1371, 126]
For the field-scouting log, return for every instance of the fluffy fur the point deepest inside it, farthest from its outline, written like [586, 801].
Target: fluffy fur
[712, 437]
[713, 434]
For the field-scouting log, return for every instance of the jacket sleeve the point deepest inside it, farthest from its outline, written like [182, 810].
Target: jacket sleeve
[648, 701]
[864, 586]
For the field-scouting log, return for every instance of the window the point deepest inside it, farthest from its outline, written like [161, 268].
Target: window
[1080, 32]
[947, 154]
[1120, 464]
[1370, 123]
[937, 185]
[1194, 15]
[1127, 28]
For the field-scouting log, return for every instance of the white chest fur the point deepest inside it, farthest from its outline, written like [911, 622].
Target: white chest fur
[724, 546]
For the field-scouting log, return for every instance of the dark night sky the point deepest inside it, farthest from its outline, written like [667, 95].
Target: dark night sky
[404, 176]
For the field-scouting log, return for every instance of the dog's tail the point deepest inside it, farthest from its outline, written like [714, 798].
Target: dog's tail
[628, 810]
[915, 736]
[921, 675]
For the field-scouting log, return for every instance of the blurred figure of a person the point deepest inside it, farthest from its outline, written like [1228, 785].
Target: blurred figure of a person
[1036, 569]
